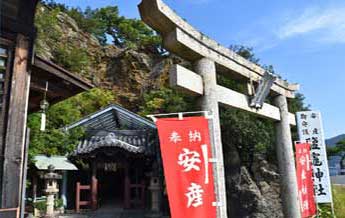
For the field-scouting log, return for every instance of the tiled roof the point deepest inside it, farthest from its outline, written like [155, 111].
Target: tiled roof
[59, 162]
[116, 127]
[111, 140]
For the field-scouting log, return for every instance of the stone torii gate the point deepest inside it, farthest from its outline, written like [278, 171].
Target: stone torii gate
[210, 58]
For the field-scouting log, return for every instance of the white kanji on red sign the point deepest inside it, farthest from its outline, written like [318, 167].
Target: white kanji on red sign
[194, 195]
[302, 160]
[194, 136]
[305, 205]
[175, 137]
[189, 160]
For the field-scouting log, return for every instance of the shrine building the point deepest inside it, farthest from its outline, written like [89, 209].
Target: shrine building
[118, 161]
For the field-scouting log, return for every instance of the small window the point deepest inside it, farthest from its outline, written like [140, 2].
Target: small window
[3, 52]
[2, 62]
[5, 55]
[4, 65]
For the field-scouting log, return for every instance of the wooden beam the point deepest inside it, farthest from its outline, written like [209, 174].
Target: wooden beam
[16, 125]
[94, 184]
[227, 97]
[61, 73]
[127, 191]
[9, 212]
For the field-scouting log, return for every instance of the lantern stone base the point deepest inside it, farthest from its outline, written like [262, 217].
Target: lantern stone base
[155, 189]
[153, 215]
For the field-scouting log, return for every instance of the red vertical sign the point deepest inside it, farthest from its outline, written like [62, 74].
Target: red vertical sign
[305, 180]
[186, 150]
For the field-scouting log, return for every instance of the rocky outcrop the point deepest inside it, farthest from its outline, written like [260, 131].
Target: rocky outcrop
[128, 72]
[256, 194]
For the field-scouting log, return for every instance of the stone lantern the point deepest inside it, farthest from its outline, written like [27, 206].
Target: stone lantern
[156, 190]
[51, 180]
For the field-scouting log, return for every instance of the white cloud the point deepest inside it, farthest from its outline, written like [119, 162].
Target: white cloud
[322, 24]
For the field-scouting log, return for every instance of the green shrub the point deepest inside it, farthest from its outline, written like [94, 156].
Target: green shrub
[41, 205]
[55, 141]
[165, 100]
[48, 32]
[72, 58]
[58, 203]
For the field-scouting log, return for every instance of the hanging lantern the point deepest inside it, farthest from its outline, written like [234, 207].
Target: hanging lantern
[44, 106]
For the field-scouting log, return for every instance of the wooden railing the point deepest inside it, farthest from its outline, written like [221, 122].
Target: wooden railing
[78, 201]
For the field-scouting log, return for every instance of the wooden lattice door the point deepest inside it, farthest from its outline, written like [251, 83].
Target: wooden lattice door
[134, 188]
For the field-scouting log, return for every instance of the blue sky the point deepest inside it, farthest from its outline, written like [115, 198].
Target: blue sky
[303, 40]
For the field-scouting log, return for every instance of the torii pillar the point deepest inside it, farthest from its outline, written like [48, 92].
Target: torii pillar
[209, 58]
[285, 156]
[206, 68]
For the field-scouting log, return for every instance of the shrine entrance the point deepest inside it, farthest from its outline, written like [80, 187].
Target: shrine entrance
[121, 185]
[115, 181]
[111, 185]
[118, 162]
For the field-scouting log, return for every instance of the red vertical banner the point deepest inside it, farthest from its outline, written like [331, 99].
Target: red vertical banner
[186, 150]
[305, 180]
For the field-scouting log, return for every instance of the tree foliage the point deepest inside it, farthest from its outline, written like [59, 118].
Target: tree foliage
[166, 100]
[72, 58]
[106, 24]
[56, 141]
[246, 52]
[338, 149]
[46, 23]
[244, 132]
[66, 54]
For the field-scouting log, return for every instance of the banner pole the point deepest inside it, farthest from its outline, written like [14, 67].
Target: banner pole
[333, 211]
[217, 193]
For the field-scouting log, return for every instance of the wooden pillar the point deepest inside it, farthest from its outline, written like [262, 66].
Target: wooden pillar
[16, 125]
[77, 198]
[142, 194]
[94, 184]
[209, 102]
[286, 161]
[127, 192]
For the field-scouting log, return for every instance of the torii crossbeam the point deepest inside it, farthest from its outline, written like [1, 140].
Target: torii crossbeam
[210, 58]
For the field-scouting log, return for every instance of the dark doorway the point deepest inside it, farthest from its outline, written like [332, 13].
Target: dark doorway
[111, 187]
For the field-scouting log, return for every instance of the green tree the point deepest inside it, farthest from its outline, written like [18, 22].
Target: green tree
[55, 141]
[165, 100]
[107, 24]
[245, 52]
[72, 58]
[338, 149]
[124, 32]
[46, 23]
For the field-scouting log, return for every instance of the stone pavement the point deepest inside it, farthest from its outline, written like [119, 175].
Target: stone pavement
[108, 213]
